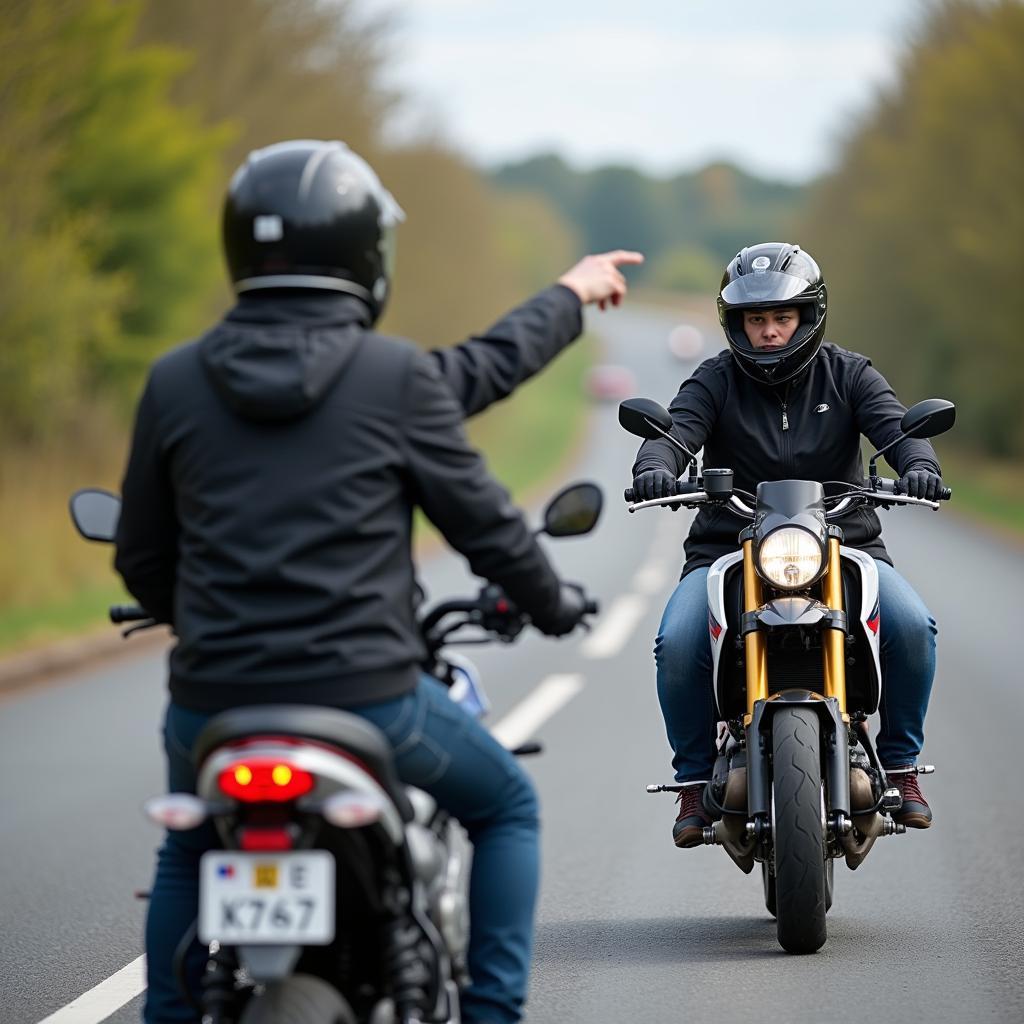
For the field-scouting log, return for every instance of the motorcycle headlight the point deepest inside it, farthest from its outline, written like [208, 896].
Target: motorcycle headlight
[790, 558]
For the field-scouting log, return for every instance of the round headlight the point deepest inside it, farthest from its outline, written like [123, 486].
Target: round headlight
[790, 558]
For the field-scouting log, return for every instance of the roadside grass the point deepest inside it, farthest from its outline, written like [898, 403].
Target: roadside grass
[54, 585]
[987, 490]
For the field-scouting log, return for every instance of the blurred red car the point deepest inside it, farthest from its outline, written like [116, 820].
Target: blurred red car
[609, 382]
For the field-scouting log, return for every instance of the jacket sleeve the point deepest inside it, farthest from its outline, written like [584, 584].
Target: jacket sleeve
[473, 512]
[489, 367]
[147, 531]
[694, 411]
[878, 413]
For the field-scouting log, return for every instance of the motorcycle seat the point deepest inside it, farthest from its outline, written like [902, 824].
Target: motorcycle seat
[331, 726]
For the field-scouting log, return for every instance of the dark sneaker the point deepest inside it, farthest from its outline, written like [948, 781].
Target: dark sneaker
[914, 812]
[692, 818]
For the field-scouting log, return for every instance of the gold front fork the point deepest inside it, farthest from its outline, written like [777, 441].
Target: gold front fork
[834, 646]
[754, 643]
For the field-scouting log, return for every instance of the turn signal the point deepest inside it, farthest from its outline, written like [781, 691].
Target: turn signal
[176, 811]
[261, 780]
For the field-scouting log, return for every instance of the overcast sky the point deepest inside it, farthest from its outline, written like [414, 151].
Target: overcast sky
[664, 84]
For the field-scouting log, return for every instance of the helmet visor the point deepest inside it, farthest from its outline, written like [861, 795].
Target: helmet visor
[758, 289]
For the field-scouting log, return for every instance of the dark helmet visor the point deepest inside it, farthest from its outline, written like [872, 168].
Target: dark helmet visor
[757, 289]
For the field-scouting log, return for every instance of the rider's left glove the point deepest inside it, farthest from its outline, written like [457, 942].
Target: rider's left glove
[921, 483]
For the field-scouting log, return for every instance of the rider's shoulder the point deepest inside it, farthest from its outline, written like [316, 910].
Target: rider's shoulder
[839, 356]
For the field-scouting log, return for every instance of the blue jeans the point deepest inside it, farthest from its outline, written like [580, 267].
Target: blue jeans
[682, 653]
[440, 749]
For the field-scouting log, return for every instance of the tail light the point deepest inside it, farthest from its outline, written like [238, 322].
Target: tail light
[264, 780]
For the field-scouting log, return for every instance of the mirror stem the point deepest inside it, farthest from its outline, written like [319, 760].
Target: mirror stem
[668, 437]
[872, 468]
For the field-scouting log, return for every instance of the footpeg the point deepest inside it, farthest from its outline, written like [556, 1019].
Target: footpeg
[710, 839]
[892, 800]
[892, 828]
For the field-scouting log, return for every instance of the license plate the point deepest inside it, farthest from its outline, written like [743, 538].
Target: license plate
[261, 898]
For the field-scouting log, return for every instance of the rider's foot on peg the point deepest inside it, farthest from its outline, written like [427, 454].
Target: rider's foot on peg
[692, 818]
[915, 812]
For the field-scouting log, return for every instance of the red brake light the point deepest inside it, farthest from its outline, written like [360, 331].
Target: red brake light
[262, 780]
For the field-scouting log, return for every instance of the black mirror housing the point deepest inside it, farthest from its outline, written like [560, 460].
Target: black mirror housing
[95, 514]
[929, 418]
[637, 414]
[574, 511]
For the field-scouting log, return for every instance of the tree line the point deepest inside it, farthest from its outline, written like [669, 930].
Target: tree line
[120, 121]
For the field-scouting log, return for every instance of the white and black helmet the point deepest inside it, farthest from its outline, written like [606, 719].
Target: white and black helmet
[773, 275]
[310, 214]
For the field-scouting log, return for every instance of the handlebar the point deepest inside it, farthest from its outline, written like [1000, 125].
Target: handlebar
[879, 490]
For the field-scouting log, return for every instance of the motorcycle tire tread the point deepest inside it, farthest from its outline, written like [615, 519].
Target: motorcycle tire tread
[800, 884]
[300, 999]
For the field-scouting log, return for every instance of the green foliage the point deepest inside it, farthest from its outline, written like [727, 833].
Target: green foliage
[921, 228]
[700, 218]
[104, 202]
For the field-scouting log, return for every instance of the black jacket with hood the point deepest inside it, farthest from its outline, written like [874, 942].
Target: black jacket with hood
[268, 497]
[807, 429]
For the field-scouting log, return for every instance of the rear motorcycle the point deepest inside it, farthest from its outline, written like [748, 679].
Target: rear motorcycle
[340, 896]
[794, 619]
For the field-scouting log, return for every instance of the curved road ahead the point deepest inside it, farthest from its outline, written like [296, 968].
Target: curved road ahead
[630, 929]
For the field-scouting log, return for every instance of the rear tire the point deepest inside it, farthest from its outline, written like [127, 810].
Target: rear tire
[800, 872]
[300, 999]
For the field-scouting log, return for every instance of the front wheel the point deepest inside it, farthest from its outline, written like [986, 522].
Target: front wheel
[300, 999]
[801, 890]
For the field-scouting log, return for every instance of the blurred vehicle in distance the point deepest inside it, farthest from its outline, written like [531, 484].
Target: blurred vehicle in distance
[609, 382]
[686, 342]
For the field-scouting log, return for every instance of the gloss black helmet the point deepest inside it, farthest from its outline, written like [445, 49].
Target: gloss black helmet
[773, 275]
[310, 214]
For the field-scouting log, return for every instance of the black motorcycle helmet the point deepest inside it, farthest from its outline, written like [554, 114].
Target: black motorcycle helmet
[310, 214]
[773, 275]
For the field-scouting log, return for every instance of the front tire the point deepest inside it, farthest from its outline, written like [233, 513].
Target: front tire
[300, 999]
[800, 873]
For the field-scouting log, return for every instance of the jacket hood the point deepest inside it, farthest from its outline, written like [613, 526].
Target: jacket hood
[275, 356]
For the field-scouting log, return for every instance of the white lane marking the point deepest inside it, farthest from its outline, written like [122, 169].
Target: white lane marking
[108, 996]
[652, 577]
[536, 708]
[615, 627]
[515, 728]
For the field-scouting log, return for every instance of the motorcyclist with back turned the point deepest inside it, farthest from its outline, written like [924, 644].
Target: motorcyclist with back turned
[781, 403]
[267, 513]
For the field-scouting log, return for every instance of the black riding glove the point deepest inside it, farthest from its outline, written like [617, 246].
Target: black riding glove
[921, 483]
[654, 483]
[568, 615]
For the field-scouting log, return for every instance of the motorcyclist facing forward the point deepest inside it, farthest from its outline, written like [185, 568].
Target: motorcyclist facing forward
[267, 513]
[781, 403]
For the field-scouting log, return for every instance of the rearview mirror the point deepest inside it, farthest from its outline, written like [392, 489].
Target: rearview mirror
[929, 418]
[637, 414]
[95, 514]
[573, 511]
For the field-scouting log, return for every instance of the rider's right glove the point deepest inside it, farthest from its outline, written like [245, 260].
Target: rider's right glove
[572, 606]
[654, 483]
[921, 483]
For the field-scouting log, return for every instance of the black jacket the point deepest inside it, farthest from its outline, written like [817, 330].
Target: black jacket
[808, 429]
[269, 493]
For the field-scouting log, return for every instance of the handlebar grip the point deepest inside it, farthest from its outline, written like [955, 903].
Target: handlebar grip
[127, 613]
[945, 494]
[629, 495]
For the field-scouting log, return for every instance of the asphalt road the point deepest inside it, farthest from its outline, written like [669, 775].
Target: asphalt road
[629, 927]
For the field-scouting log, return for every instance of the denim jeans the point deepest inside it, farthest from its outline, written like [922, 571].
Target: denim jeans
[682, 653]
[438, 748]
